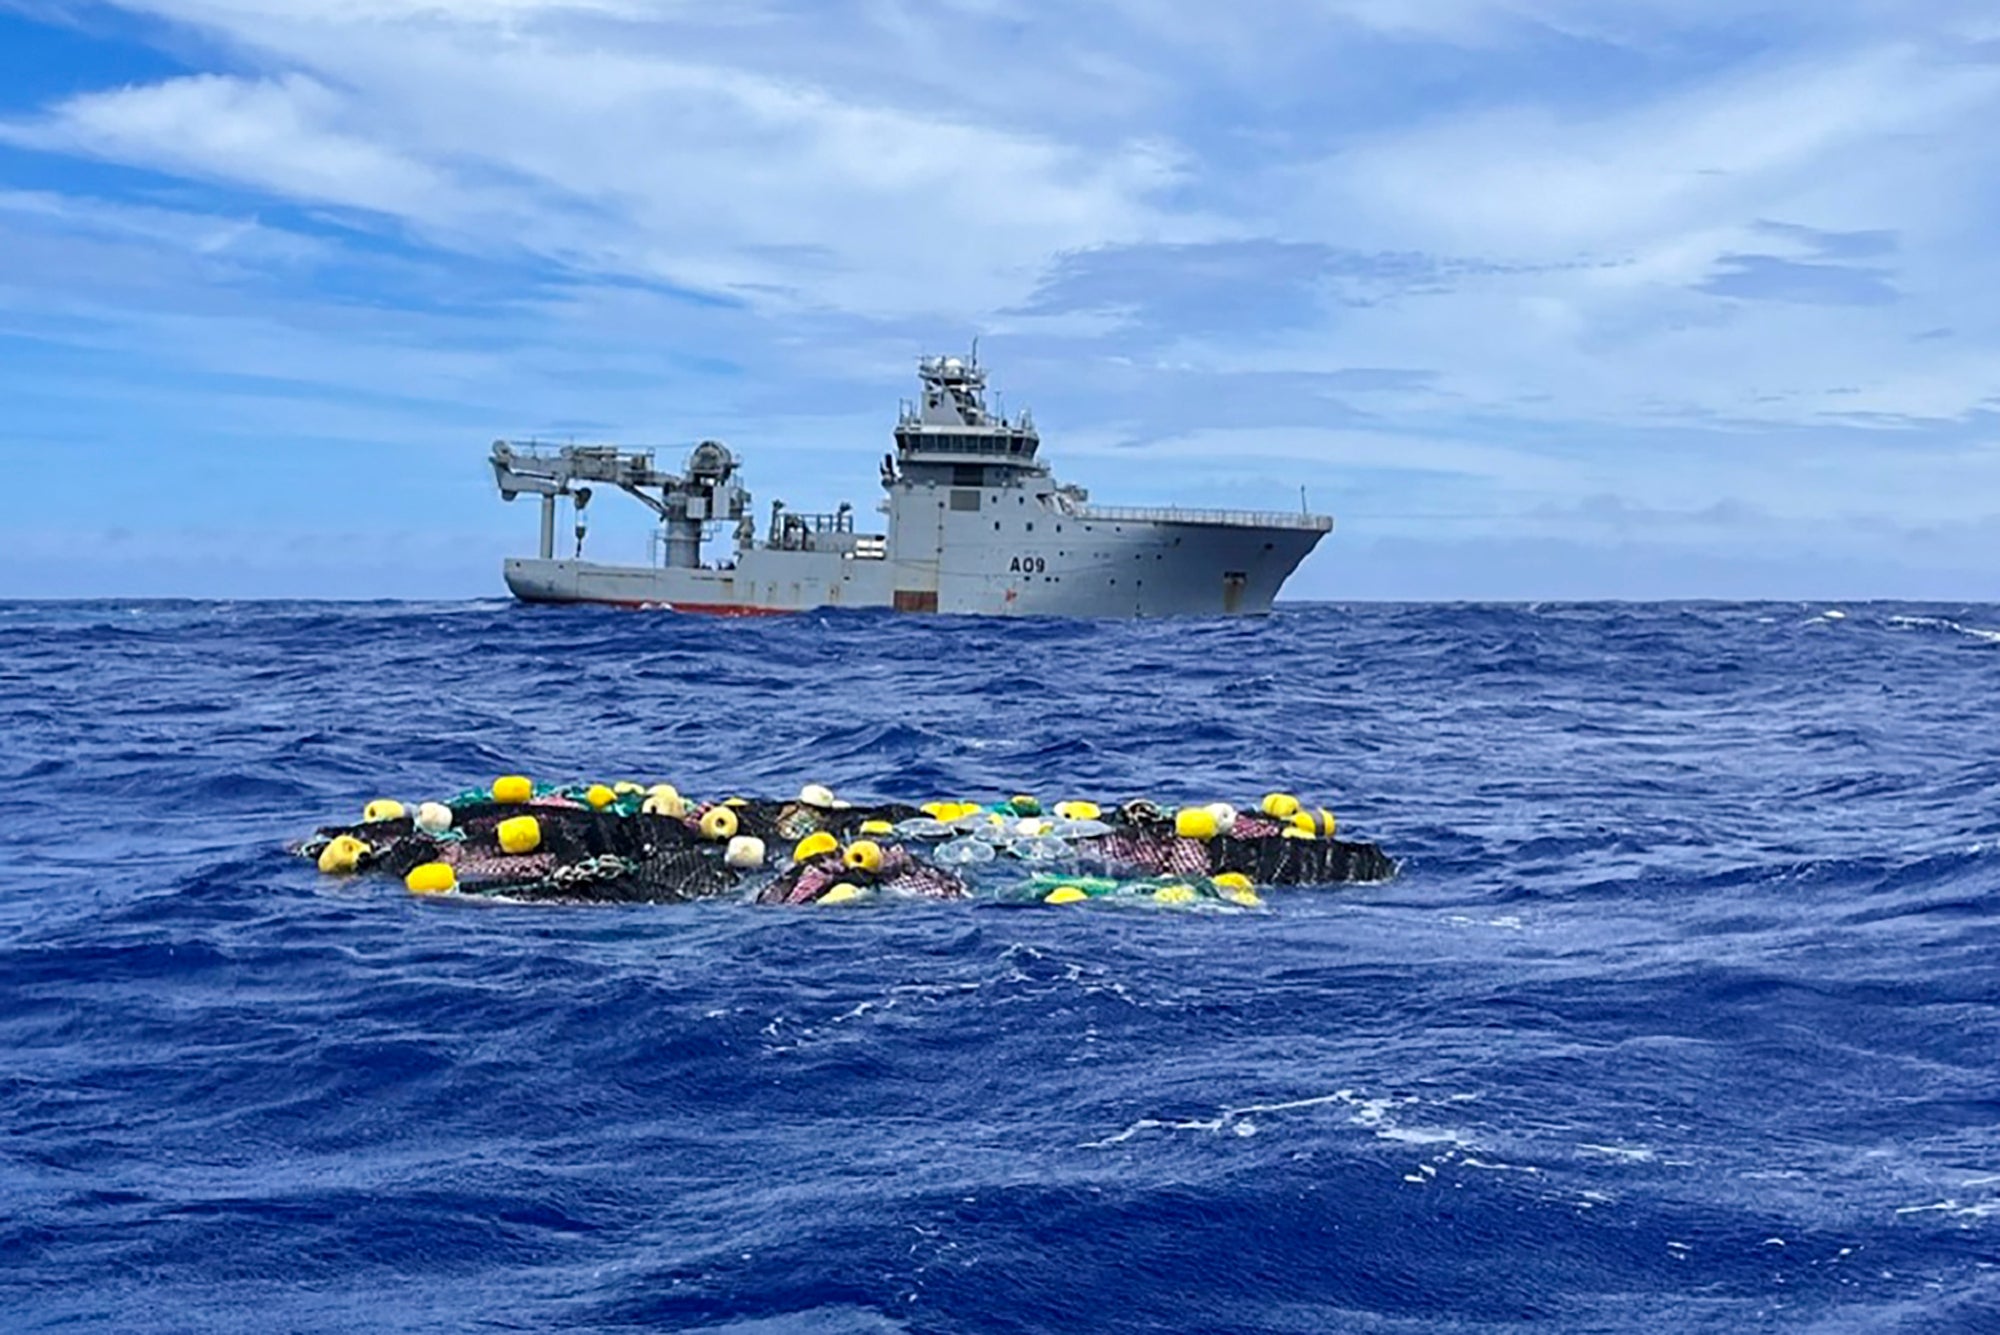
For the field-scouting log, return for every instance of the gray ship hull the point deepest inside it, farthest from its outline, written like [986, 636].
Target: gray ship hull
[1096, 568]
[978, 525]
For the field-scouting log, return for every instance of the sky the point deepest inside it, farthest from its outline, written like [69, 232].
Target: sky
[1542, 299]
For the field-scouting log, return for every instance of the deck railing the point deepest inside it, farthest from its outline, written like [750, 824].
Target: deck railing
[1145, 514]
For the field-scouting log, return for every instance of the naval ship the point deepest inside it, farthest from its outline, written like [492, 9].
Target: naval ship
[976, 525]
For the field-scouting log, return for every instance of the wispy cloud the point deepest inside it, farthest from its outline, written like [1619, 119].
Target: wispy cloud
[507, 126]
[1774, 278]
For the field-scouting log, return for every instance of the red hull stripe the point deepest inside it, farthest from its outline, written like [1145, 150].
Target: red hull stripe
[704, 609]
[732, 609]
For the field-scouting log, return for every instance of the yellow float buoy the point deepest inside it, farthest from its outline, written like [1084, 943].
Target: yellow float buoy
[844, 893]
[1303, 820]
[1174, 894]
[1327, 823]
[342, 854]
[512, 788]
[1294, 832]
[519, 834]
[382, 808]
[434, 818]
[1195, 823]
[599, 796]
[745, 852]
[935, 810]
[432, 878]
[863, 855]
[1281, 806]
[877, 827]
[1236, 888]
[663, 800]
[718, 823]
[815, 845]
[1065, 894]
[1078, 810]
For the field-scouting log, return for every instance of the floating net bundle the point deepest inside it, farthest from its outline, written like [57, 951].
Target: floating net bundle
[592, 843]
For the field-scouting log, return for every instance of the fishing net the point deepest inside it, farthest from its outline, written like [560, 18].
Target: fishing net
[593, 846]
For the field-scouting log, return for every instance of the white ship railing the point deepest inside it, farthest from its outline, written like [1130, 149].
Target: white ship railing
[1144, 514]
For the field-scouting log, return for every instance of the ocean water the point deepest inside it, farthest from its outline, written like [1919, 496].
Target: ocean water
[1682, 1014]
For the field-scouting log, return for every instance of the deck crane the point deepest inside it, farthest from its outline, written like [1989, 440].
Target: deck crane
[704, 492]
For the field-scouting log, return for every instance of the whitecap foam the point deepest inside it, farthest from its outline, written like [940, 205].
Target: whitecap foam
[1374, 1114]
[1979, 633]
[1953, 1208]
[1494, 1166]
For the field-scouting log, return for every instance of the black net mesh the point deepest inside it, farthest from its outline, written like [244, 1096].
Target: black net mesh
[590, 855]
[1280, 861]
[402, 854]
[671, 874]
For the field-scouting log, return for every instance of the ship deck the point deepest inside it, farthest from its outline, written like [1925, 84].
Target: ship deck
[1147, 514]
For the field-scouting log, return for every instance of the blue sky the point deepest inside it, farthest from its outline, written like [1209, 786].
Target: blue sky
[1542, 298]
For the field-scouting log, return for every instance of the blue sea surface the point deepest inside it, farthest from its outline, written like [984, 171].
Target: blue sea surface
[1682, 1014]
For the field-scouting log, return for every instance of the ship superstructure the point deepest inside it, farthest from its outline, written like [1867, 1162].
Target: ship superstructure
[976, 524]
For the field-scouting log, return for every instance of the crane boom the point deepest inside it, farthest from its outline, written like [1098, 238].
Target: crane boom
[706, 491]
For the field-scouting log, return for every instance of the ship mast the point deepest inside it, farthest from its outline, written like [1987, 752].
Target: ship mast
[951, 424]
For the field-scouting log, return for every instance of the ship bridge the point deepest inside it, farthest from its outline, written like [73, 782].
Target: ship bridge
[950, 429]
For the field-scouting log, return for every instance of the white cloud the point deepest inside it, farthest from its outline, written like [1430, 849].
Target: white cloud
[1528, 181]
[1638, 23]
[1236, 449]
[491, 125]
[202, 234]
[1619, 218]
[276, 133]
